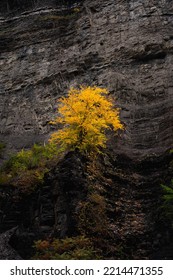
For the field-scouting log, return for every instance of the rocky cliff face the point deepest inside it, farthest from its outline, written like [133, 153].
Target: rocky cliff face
[113, 202]
[125, 46]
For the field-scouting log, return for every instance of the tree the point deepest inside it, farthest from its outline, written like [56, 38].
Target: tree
[86, 113]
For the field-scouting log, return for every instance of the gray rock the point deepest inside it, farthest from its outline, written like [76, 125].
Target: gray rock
[6, 251]
[125, 46]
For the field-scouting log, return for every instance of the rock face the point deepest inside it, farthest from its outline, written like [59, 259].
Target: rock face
[12, 7]
[125, 46]
[48, 211]
[113, 202]
[6, 251]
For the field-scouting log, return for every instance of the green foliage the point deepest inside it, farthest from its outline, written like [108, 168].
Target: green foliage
[85, 114]
[30, 159]
[74, 248]
[27, 167]
[168, 201]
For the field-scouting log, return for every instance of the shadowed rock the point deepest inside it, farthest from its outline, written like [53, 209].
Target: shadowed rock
[6, 251]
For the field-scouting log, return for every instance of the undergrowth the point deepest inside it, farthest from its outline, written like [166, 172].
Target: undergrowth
[28, 167]
[167, 205]
[70, 248]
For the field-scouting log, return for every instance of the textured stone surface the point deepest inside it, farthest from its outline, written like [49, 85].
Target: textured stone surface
[126, 46]
[13, 7]
[49, 211]
[70, 187]
[6, 251]
[55, 209]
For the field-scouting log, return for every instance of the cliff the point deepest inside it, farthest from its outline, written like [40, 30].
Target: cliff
[125, 46]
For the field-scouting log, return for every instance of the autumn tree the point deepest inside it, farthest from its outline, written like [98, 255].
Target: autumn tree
[85, 114]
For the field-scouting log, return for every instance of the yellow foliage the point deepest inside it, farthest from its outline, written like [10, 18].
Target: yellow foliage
[86, 114]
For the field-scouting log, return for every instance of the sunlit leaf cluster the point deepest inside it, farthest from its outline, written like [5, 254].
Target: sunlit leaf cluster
[85, 115]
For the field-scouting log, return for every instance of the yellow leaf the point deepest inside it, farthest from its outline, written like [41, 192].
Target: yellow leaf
[86, 114]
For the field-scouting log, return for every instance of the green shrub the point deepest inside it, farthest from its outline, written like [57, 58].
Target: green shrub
[27, 167]
[168, 201]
